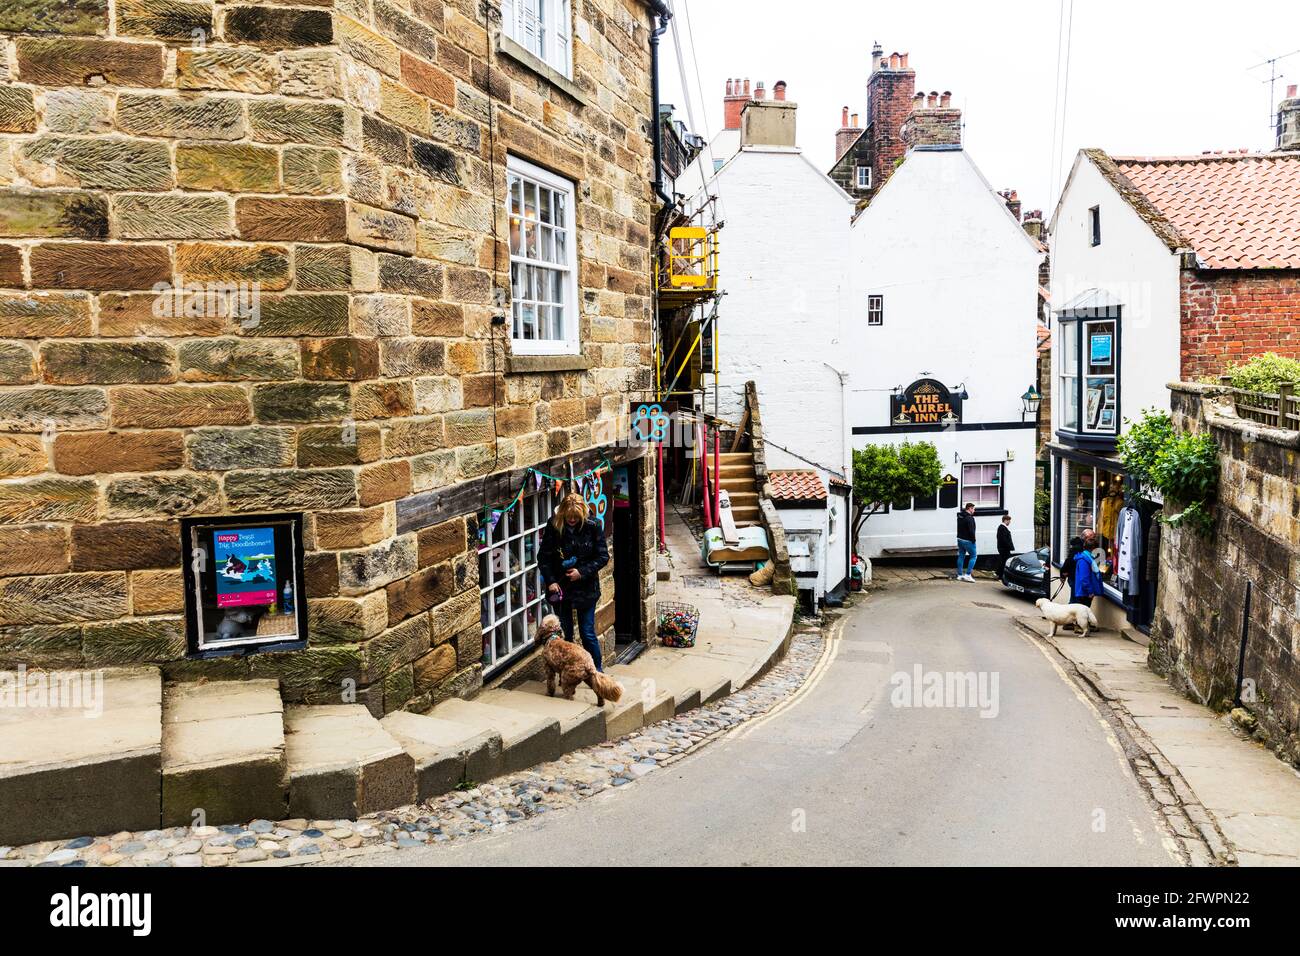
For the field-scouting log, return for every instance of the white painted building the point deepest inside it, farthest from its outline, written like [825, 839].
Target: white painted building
[944, 303]
[785, 281]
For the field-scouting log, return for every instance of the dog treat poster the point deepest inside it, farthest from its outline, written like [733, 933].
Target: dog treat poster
[245, 566]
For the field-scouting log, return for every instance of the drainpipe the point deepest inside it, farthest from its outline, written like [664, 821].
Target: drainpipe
[664, 15]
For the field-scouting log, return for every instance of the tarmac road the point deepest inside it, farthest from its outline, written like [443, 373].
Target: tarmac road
[843, 773]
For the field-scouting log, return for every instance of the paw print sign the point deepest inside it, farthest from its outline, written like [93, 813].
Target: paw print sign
[597, 500]
[649, 422]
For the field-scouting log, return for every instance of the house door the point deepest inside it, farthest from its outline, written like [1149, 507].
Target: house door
[626, 550]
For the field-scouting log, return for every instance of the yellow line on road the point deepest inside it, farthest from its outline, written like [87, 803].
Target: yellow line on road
[829, 652]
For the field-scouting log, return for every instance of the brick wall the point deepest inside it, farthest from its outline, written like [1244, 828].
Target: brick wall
[340, 160]
[1230, 316]
[1196, 638]
[889, 104]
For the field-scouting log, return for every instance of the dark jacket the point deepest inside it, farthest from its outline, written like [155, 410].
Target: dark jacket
[1005, 546]
[585, 547]
[965, 526]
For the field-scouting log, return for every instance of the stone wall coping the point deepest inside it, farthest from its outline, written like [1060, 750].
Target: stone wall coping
[533, 364]
[1219, 415]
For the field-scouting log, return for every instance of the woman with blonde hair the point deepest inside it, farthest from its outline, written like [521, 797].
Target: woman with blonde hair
[573, 552]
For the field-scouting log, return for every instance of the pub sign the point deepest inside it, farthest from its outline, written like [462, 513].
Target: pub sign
[926, 403]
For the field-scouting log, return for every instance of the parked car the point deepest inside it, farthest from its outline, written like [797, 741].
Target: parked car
[1025, 573]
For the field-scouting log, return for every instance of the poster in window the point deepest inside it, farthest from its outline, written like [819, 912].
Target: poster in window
[1099, 349]
[245, 566]
[1094, 405]
[1107, 418]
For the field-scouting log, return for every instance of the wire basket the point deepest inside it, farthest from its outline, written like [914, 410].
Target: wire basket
[678, 623]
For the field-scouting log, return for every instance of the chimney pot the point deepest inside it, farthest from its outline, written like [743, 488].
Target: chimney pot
[759, 92]
[844, 118]
[893, 61]
[746, 86]
[946, 98]
[902, 61]
[933, 101]
[778, 91]
[1290, 91]
[728, 87]
[876, 56]
[855, 120]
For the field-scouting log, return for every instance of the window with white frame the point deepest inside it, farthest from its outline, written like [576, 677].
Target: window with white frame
[981, 484]
[875, 310]
[543, 261]
[542, 28]
[510, 581]
[864, 177]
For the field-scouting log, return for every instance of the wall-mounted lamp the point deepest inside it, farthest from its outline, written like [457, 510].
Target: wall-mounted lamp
[1030, 402]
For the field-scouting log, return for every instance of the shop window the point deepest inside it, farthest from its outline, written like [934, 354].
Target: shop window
[543, 263]
[1093, 498]
[510, 581]
[982, 485]
[542, 28]
[875, 310]
[1089, 375]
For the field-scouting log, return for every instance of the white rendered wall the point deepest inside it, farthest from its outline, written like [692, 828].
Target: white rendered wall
[960, 284]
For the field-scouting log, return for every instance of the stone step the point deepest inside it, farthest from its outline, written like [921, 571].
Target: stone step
[745, 485]
[742, 499]
[342, 763]
[685, 695]
[734, 457]
[581, 724]
[620, 718]
[693, 667]
[732, 471]
[69, 771]
[657, 702]
[445, 753]
[526, 738]
[223, 753]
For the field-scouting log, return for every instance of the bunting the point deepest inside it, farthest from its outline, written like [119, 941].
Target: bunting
[492, 516]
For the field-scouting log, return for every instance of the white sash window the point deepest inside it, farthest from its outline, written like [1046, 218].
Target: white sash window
[542, 28]
[543, 261]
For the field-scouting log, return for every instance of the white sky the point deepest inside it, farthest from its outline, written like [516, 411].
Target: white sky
[1147, 77]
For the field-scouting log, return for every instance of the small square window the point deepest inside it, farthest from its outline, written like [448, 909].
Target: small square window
[875, 310]
[1094, 224]
[864, 177]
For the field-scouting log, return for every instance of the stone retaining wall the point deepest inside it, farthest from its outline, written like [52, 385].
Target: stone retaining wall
[1196, 639]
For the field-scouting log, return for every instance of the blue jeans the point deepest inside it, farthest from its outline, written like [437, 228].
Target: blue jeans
[586, 625]
[965, 549]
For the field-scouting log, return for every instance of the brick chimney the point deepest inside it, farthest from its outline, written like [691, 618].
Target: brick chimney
[934, 121]
[1288, 121]
[889, 103]
[733, 104]
[1012, 199]
[848, 132]
[769, 122]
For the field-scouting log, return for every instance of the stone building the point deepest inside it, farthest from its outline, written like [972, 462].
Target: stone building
[364, 265]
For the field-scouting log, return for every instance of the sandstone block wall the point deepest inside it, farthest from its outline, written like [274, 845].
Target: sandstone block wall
[341, 165]
[1196, 639]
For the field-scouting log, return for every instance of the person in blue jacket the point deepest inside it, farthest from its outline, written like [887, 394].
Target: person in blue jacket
[572, 553]
[1087, 575]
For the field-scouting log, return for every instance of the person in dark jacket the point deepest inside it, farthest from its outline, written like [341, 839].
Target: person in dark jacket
[966, 542]
[572, 553]
[1086, 582]
[1006, 547]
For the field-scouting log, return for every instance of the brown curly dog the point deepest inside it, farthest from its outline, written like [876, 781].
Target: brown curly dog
[572, 664]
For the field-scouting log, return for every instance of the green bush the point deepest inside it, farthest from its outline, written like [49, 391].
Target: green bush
[1265, 373]
[1184, 468]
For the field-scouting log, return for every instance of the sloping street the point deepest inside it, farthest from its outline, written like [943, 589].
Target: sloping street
[840, 774]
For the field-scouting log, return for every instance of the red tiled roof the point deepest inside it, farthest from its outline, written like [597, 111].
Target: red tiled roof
[796, 486]
[1237, 211]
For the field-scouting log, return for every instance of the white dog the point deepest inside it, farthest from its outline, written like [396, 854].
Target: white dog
[1059, 615]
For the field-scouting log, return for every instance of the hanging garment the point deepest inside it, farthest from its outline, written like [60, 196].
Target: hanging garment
[1110, 508]
[1130, 550]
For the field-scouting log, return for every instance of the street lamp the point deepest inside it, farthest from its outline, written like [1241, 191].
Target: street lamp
[1030, 401]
